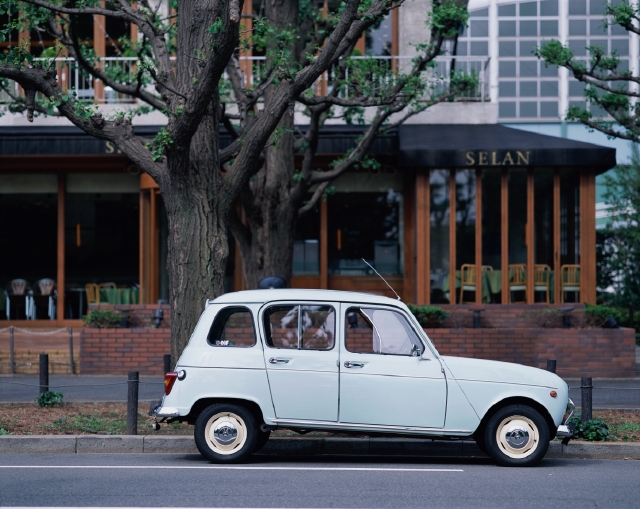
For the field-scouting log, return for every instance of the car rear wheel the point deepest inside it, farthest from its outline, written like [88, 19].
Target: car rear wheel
[226, 433]
[517, 436]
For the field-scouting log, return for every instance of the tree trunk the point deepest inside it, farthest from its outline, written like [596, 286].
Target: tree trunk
[198, 239]
[272, 221]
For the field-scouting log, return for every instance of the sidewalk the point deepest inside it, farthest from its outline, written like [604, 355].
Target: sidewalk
[79, 388]
[607, 393]
[85, 444]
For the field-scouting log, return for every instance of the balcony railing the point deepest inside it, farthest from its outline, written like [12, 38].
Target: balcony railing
[381, 75]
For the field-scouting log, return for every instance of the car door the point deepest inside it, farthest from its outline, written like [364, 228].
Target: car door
[301, 355]
[386, 376]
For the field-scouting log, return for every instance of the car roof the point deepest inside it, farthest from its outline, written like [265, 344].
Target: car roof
[260, 296]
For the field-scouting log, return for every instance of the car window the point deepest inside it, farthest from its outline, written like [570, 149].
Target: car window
[300, 327]
[233, 326]
[318, 327]
[370, 330]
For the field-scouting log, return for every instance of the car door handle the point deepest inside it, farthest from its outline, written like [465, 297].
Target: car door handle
[273, 360]
[349, 364]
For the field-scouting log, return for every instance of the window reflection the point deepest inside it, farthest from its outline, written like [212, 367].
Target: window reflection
[439, 199]
[365, 225]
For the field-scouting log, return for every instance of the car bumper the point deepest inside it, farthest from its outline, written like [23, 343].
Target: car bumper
[565, 429]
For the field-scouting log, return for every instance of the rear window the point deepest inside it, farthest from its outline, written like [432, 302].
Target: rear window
[233, 326]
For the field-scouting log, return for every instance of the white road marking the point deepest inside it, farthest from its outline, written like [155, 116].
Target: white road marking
[226, 467]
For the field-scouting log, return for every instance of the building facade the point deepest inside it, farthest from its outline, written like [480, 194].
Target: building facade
[456, 194]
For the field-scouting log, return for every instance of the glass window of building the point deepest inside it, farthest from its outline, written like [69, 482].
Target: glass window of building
[29, 245]
[439, 234]
[365, 221]
[102, 224]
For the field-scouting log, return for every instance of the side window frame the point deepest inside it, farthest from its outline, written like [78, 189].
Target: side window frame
[267, 326]
[224, 314]
[359, 308]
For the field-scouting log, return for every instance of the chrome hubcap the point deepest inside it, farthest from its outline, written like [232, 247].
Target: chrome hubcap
[517, 437]
[225, 433]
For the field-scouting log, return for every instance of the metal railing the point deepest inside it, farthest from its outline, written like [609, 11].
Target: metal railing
[381, 72]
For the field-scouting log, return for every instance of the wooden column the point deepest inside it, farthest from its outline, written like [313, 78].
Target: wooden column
[422, 235]
[324, 245]
[504, 232]
[245, 62]
[529, 236]
[452, 236]
[588, 237]
[145, 245]
[409, 236]
[556, 235]
[100, 48]
[60, 275]
[395, 38]
[478, 236]
[154, 253]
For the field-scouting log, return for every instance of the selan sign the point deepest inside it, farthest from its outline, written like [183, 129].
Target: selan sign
[497, 158]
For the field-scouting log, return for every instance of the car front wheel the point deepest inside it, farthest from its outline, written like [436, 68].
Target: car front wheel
[226, 433]
[517, 436]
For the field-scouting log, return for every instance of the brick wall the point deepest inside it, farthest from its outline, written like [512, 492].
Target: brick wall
[140, 315]
[507, 316]
[118, 351]
[578, 352]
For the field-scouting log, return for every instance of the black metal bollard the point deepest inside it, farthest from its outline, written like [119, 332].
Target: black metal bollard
[132, 402]
[12, 352]
[476, 318]
[44, 372]
[587, 401]
[71, 364]
[551, 365]
[167, 362]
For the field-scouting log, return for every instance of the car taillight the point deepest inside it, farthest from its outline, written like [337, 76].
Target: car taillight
[169, 380]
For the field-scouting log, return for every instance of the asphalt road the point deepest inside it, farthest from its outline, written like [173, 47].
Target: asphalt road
[101, 480]
[80, 388]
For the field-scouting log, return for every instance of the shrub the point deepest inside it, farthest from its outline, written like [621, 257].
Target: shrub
[545, 318]
[49, 398]
[102, 318]
[598, 314]
[595, 430]
[428, 316]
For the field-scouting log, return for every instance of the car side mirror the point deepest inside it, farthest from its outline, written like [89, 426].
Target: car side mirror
[415, 351]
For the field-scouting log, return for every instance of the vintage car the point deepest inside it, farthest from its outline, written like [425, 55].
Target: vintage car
[304, 360]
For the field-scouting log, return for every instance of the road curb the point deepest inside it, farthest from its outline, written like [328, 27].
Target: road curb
[304, 446]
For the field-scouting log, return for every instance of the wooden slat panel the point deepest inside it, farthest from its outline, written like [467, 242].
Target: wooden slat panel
[587, 238]
[60, 274]
[530, 235]
[409, 235]
[100, 48]
[369, 284]
[305, 281]
[154, 252]
[556, 235]
[421, 233]
[478, 236]
[452, 236]
[504, 232]
[324, 245]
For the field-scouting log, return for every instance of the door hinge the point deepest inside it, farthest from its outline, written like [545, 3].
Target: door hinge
[442, 370]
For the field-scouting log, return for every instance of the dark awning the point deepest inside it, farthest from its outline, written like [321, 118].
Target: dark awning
[446, 146]
[435, 145]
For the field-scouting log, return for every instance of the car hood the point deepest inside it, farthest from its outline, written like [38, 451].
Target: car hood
[500, 372]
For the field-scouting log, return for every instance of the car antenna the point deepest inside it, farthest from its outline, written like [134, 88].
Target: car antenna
[385, 281]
